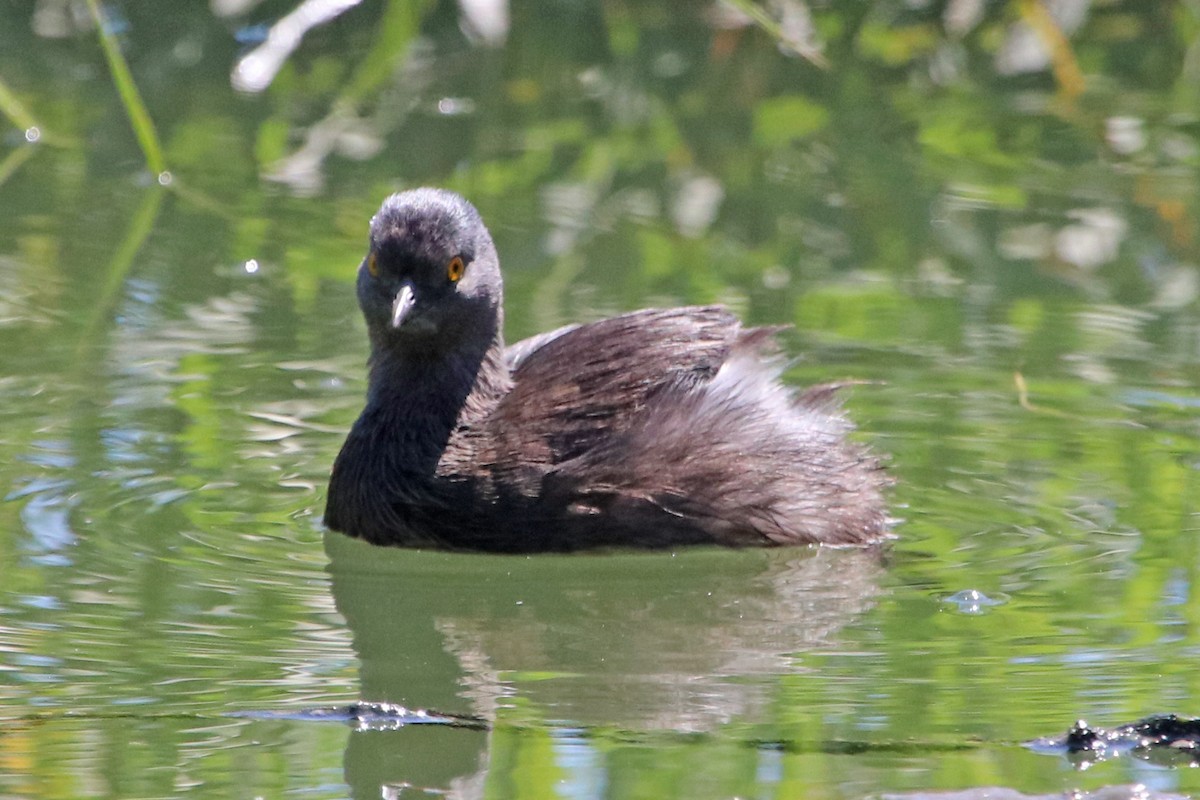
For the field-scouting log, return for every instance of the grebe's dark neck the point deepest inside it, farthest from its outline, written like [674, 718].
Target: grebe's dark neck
[420, 398]
[415, 404]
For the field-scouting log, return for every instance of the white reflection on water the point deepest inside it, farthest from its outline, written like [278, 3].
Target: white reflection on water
[258, 68]
[1027, 50]
[47, 518]
[1093, 239]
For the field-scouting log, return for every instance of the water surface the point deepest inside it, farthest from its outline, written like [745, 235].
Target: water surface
[999, 241]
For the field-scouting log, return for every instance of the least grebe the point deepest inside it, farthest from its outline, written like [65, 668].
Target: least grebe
[655, 428]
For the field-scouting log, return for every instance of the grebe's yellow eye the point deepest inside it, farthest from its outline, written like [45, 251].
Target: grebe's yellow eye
[372, 265]
[454, 270]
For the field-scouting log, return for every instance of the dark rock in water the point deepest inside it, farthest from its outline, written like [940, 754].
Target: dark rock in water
[367, 716]
[657, 428]
[1134, 791]
[1167, 740]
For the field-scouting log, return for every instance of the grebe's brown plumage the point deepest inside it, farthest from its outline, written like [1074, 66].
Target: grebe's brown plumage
[655, 428]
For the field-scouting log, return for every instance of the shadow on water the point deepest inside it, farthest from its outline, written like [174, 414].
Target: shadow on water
[680, 643]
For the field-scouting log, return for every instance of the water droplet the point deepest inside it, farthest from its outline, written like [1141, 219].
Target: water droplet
[973, 601]
[455, 106]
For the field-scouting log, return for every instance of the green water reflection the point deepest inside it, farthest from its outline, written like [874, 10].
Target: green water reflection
[1000, 238]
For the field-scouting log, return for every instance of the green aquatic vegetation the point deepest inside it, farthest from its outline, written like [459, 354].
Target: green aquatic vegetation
[131, 98]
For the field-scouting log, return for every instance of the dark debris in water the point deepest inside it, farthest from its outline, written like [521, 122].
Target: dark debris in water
[1135, 791]
[365, 716]
[1166, 740]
